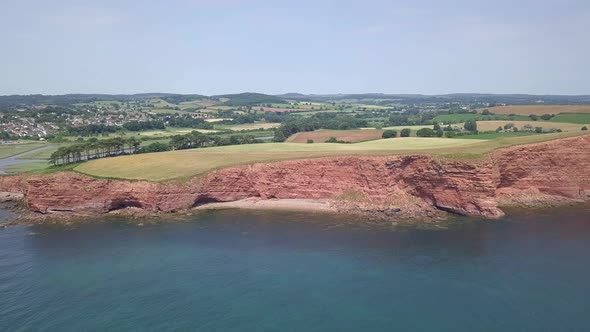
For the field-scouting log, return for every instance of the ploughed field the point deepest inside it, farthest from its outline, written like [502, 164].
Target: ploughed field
[186, 163]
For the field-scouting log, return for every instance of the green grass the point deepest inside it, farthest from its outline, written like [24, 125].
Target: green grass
[9, 150]
[579, 118]
[27, 167]
[44, 154]
[186, 163]
[462, 117]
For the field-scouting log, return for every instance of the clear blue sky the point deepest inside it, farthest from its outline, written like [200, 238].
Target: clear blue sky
[227, 46]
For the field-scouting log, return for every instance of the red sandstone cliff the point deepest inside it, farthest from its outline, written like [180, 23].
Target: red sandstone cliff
[412, 185]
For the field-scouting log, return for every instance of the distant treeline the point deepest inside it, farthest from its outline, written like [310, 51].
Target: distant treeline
[251, 99]
[295, 124]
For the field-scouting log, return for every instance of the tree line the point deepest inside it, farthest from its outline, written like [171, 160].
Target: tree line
[294, 124]
[95, 148]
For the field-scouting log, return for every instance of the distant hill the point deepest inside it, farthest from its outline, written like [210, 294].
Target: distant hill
[15, 100]
[250, 99]
[512, 99]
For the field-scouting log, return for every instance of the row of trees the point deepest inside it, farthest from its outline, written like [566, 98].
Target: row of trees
[94, 148]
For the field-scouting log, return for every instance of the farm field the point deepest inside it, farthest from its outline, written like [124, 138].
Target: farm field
[251, 126]
[352, 136]
[579, 118]
[9, 150]
[186, 163]
[27, 167]
[172, 132]
[539, 109]
[493, 125]
[280, 109]
[412, 128]
[494, 135]
[462, 117]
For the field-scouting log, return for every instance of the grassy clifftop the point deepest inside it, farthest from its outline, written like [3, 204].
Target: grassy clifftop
[186, 163]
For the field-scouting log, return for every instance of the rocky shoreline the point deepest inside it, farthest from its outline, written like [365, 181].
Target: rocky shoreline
[382, 188]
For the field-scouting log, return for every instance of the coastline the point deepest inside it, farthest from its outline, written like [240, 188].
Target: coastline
[385, 188]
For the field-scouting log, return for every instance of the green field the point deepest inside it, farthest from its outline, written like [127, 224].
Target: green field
[9, 150]
[186, 163]
[27, 167]
[462, 117]
[579, 118]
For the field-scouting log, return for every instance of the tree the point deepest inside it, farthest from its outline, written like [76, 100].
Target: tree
[309, 141]
[279, 136]
[405, 132]
[470, 125]
[426, 132]
[499, 129]
[547, 116]
[450, 134]
[389, 134]
[332, 140]
[538, 130]
[584, 128]
[436, 127]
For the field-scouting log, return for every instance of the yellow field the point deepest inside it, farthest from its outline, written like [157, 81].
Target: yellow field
[538, 109]
[186, 163]
[351, 136]
[493, 125]
[413, 128]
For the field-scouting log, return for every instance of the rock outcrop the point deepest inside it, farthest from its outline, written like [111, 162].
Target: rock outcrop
[410, 186]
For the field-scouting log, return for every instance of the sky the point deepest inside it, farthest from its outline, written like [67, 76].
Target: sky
[308, 46]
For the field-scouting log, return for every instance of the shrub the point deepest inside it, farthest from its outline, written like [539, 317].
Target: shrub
[450, 134]
[389, 134]
[426, 132]
[405, 132]
[499, 129]
[332, 140]
[155, 147]
[534, 117]
[309, 141]
[547, 116]
[584, 128]
[538, 130]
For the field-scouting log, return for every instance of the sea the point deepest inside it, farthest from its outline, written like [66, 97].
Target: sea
[234, 270]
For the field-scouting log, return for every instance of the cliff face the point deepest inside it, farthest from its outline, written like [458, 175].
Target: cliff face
[412, 185]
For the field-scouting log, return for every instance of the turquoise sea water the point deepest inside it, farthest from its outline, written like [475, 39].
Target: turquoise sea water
[255, 271]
